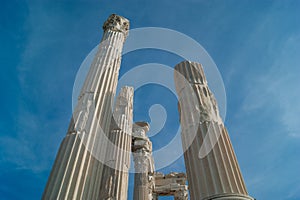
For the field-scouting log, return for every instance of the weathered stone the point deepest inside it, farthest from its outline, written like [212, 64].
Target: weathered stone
[94, 157]
[173, 184]
[114, 183]
[214, 172]
[143, 162]
[77, 171]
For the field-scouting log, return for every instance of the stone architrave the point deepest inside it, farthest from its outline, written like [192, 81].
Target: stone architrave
[173, 184]
[115, 173]
[216, 175]
[77, 171]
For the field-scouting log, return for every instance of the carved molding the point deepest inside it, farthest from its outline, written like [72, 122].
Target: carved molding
[117, 23]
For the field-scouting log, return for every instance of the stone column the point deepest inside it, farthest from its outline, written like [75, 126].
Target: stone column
[77, 171]
[114, 183]
[143, 162]
[211, 174]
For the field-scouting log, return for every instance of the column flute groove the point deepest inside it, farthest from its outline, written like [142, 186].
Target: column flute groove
[77, 173]
[212, 168]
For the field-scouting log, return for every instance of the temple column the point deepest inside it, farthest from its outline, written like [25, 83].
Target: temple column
[77, 171]
[143, 162]
[115, 173]
[212, 168]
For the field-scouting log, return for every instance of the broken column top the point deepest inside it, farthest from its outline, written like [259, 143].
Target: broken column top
[117, 23]
[192, 71]
[141, 127]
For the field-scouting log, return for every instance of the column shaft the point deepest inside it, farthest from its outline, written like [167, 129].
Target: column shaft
[210, 161]
[143, 162]
[77, 171]
[114, 183]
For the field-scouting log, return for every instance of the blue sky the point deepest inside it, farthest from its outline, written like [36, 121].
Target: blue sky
[255, 45]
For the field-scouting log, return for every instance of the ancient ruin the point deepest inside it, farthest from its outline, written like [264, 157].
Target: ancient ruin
[102, 127]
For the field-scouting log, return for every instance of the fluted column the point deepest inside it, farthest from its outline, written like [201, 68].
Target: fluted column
[115, 174]
[211, 174]
[143, 162]
[77, 171]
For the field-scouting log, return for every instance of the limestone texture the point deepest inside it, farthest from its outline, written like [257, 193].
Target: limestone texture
[213, 171]
[77, 170]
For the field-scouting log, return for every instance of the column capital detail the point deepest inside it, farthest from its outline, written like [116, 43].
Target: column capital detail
[117, 23]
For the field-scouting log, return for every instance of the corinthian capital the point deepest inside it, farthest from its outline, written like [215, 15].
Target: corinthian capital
[116, 23]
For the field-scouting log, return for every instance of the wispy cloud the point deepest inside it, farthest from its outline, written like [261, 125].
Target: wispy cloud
[294, 193]
[19, 149]
[279, 87]
[38, 119]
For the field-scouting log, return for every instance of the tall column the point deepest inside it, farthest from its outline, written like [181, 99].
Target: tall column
[216, 175]
[143, 162]
[77, 171]
[114, 183]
